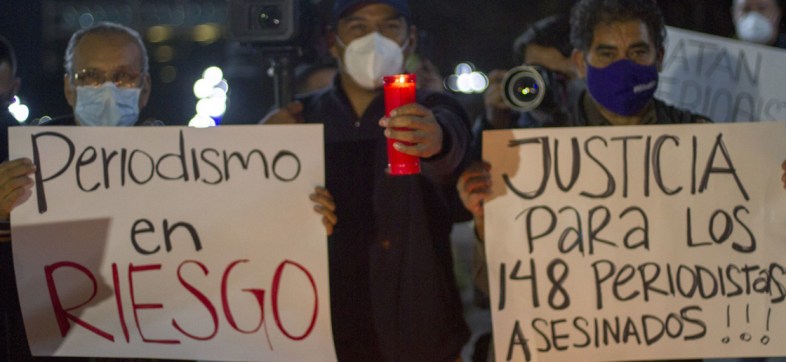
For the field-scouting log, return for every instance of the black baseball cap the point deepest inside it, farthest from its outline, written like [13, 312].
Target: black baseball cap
[341, 7]
[552, 31]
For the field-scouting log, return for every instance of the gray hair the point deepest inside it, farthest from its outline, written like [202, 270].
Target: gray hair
[103, 28]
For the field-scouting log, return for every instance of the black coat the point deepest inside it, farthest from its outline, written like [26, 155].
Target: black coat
[6, 121]
[393, 292]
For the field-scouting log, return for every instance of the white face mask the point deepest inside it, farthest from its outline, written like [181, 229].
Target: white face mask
[369, 58]
[107, 105]
[755, 27]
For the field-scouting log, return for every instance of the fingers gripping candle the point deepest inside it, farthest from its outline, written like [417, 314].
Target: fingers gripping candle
[399, 91]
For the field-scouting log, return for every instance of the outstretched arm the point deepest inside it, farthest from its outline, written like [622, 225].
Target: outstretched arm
[416, 125]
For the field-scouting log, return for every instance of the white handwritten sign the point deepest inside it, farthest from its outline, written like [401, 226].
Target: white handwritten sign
[723, 79]
[643, 242]
[170, 242]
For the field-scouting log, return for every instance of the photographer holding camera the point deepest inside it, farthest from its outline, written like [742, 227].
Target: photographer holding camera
[619, 49]
[540, 93]
[618, 52]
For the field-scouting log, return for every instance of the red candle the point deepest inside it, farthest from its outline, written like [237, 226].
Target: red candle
[399, 91]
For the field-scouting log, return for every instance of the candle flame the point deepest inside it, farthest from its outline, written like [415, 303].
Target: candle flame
[402, 78]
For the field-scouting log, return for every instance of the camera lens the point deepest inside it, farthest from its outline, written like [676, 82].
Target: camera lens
[269, 17]
[523, 88]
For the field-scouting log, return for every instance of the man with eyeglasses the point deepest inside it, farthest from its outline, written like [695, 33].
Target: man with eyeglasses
[106, 83]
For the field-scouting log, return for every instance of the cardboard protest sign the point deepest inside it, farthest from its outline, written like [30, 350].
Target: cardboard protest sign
[723, 79]
[171, 242]
[634, 243]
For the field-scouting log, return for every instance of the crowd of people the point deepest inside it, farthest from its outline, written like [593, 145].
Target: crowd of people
[392, 286]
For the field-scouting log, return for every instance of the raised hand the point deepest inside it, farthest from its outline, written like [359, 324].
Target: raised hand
[16, 184]
[474, 187]
[325, 206]
[417, 129]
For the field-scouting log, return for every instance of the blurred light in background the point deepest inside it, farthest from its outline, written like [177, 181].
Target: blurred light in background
[211, 90]
[207, 33]
[20, 111]
[214, 75]
[159, 33]
[168, 74]
[201, 122]
[467, 80]
[86, 19]
[164, 54]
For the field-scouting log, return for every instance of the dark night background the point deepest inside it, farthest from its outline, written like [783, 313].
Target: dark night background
[194, 37]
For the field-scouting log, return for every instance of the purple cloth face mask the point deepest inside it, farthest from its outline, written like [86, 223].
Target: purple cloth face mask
[624, 87]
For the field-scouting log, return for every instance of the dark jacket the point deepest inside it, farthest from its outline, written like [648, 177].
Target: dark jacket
[587, 114]
[6, 121]
[13, 342]
[393, 293]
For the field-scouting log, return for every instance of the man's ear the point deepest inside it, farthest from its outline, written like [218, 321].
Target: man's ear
[659, 55]
[69, 90]
[413, 41]
[580, 61]
[332, 44]
[144, 95]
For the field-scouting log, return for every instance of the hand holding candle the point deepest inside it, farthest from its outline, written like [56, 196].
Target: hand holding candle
[415, 129]
[399, 91]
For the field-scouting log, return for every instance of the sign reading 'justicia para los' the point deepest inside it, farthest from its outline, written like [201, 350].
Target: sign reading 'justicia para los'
[631, 243]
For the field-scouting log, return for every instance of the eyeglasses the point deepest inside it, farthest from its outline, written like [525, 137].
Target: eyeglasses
[93, 78]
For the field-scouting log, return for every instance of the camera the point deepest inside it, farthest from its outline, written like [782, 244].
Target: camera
[528, 87]
[281, 29]
[272, 22]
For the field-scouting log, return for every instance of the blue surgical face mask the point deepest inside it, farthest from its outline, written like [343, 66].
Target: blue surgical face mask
[624, 87]
[107, 105]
